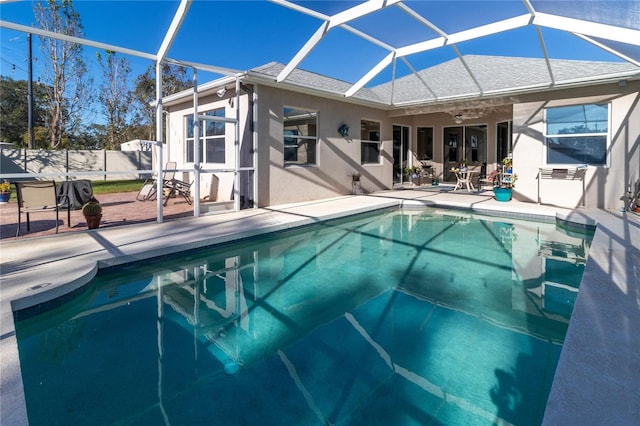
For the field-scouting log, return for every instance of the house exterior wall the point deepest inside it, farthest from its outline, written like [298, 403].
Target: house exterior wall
[337, 156]
[603, 185]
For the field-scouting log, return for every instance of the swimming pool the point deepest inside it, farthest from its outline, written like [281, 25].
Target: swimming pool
[399, 317]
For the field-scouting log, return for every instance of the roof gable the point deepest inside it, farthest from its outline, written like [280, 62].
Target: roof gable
[311, 80]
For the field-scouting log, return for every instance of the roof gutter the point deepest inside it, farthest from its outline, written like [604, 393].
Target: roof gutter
[249, 77]
[187, 94]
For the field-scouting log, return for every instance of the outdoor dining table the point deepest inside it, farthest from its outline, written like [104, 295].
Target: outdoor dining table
[464, 179]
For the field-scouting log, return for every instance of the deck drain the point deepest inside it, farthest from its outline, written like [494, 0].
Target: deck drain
[36, 287]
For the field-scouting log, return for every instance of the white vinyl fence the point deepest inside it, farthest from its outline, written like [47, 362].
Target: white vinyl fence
[85, 164]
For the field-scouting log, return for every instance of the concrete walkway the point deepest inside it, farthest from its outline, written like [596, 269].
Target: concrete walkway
[599, 369]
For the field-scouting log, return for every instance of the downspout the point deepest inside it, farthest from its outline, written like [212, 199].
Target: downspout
[254, 147]
[253, 108]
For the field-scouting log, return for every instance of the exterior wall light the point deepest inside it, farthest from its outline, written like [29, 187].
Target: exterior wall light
[458, 118]
[344, 131]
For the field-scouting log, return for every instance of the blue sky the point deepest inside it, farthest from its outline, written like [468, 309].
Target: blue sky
[245, 34]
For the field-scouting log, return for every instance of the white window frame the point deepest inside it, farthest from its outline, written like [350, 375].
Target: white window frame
[366, 140]
[207, 137]
[606, 134]
[301, 135]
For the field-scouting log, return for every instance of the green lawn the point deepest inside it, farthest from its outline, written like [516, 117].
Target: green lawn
[103, 187]
[112, 186]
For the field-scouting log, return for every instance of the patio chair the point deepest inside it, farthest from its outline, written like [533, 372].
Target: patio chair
[178, 188]
[484, 179]
[36, 196]
[149, 187]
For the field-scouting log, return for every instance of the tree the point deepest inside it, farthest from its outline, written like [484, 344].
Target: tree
[174, 79]
[64, 72]
[14, 110]
[114, 97]
[93, 136]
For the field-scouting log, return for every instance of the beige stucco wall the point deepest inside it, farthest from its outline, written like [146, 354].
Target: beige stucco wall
[603, 185]
[337, 156]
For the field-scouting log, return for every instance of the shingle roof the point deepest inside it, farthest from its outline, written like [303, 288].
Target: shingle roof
[493, 75]
[311, 80]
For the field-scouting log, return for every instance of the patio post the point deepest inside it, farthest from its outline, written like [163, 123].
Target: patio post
[169, 36]
[196, 147]
[159, 182]
[236, 144]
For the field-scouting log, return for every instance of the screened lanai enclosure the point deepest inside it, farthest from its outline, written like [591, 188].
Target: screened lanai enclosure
[291, 101]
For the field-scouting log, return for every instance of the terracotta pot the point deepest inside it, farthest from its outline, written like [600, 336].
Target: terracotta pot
[93, 222]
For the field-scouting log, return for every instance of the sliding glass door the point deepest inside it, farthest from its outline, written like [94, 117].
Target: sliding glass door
[463, 143]
[400, 151]
[503, 142]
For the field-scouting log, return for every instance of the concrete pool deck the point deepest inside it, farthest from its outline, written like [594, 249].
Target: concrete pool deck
[598, 372]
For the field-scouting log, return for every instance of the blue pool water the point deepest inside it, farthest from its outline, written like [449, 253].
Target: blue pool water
[393, 318]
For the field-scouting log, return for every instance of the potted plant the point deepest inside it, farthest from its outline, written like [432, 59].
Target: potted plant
[92, 211]
[507, 162]
[5, 191]
[407, 173]
[502, 185]
[415, 174]
[435, 181]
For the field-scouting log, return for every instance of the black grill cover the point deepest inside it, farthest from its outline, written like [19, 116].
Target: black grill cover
[74, 193]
